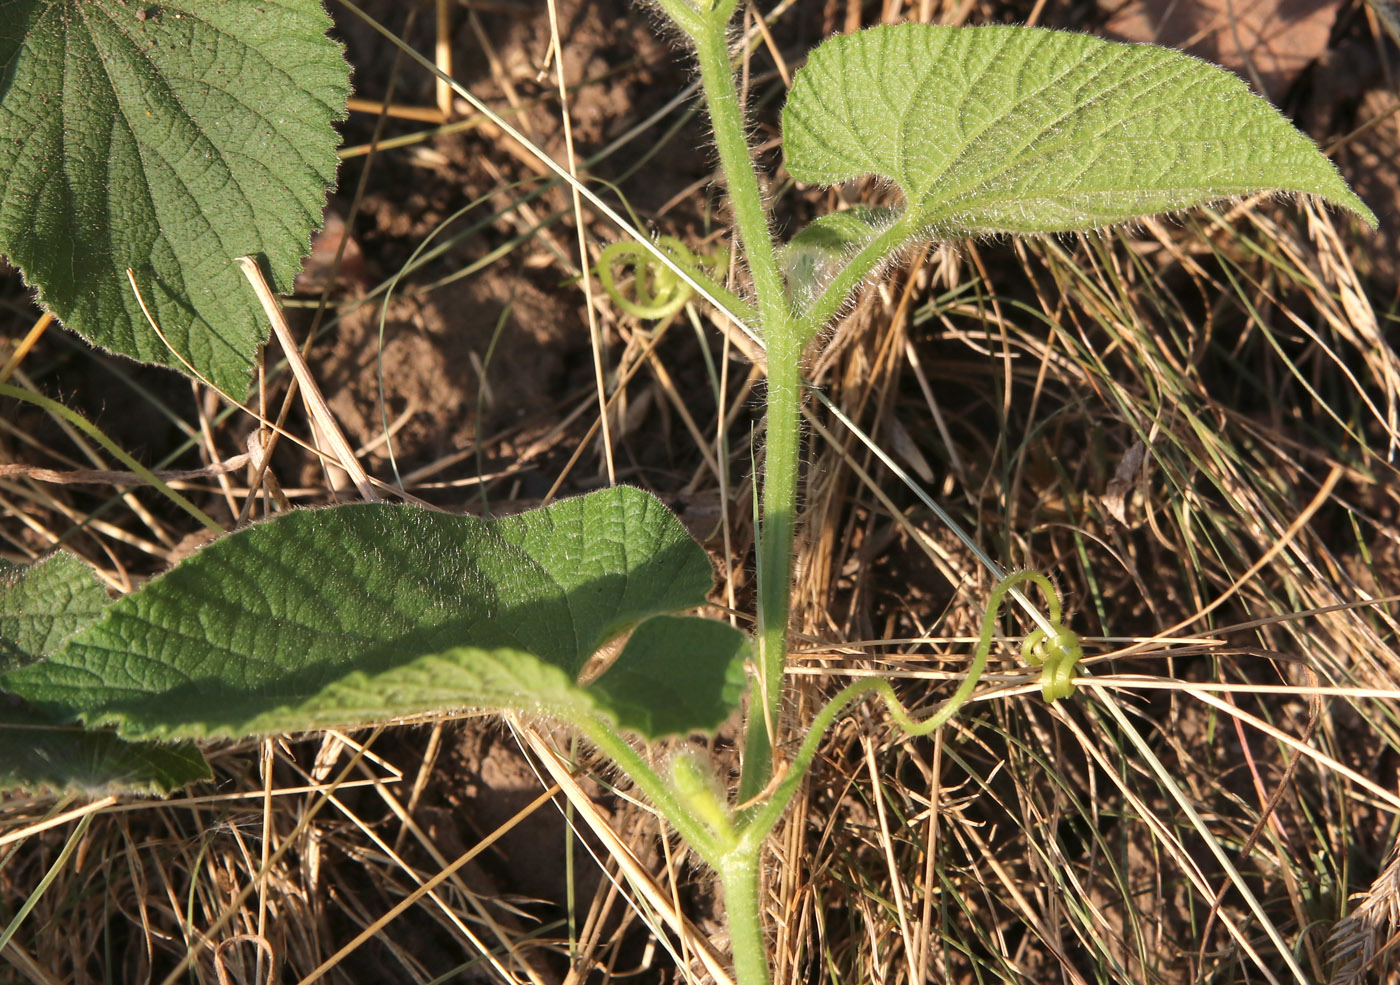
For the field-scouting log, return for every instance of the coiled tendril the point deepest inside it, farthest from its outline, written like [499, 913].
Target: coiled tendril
[657, 290]
[1056, 654]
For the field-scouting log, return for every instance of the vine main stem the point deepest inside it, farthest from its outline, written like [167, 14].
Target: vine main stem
[738, 875]
[746, 199]
[775, 544]
[783, 335]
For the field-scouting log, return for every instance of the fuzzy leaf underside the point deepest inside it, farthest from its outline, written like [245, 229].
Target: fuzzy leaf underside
[1023, 130]
[170, 139]
[41, 606]
[368, 612]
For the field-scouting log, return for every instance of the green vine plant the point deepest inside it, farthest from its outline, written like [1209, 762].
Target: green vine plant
[363, 613]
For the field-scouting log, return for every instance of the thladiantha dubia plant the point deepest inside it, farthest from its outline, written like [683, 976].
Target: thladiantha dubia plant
[363, 613]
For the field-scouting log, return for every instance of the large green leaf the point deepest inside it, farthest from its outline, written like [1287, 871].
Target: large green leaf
[170, 138]
[657, 678]
[367, 612]
[1022, 130]
[41, 606]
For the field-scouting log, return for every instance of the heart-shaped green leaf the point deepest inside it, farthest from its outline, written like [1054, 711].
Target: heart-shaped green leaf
[1021, 130]
[369, 612]
[169, 138]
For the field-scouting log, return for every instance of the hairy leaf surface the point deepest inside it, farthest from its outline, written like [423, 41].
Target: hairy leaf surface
[367, 612]
[170, 139]
[1023, 130]
[43, 604]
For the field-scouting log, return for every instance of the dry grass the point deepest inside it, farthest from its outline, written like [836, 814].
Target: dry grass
[1191, 427]
[1217, 578]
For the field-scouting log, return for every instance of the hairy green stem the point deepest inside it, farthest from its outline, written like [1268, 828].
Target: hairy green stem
[738, 876]
[736, 161]
[780, 476]
[784, 337]
[656, 790]
[876, 253]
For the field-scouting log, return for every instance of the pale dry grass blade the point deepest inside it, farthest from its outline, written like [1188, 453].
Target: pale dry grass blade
[341, 452]
[642, 881]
